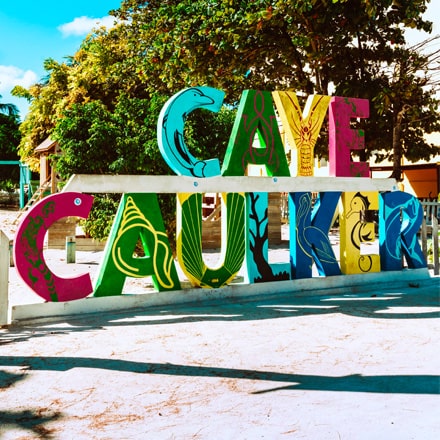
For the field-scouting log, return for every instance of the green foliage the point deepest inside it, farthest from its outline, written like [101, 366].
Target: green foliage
[9, 137]
[356, 47]
[95, 140]
[159, 48]
[102, 104]
[8, 109]
[7, 185]
[100, 219]
[302, 45]
[9, 141]
[135, 122]
[209, 143]
[85, 136]
[47, 101]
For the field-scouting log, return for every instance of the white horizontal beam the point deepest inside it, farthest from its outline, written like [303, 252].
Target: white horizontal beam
[98, 183]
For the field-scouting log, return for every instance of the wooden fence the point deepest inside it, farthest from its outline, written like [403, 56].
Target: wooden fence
[429, 234]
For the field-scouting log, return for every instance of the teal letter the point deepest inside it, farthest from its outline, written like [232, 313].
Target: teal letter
[401, 216]
[170, 129]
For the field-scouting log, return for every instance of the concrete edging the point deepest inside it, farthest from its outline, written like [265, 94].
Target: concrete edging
[239, 291]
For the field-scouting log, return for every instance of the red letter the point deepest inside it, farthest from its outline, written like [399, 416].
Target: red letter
[343, 139]
[28, 247]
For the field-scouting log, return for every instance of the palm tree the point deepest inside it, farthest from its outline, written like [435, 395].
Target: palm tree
[8, 109]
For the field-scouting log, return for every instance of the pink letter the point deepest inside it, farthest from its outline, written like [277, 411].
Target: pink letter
[343, 139]
[28, 247]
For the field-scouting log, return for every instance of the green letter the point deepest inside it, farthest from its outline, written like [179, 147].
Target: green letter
[255, 116]
[138, 216]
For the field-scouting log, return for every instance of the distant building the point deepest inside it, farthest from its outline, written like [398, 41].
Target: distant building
[48, 177]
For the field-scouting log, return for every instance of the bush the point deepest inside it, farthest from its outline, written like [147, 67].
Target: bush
[102, 214]
[7, 185]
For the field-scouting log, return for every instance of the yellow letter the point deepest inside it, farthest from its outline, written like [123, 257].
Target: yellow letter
[302, 128]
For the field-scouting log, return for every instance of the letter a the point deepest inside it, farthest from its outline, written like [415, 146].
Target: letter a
[255, 116]
[138, 216]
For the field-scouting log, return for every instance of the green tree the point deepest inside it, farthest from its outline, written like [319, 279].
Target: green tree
[9, 141]
[8, 109]
[9, 137]
[94, 140]
[262, 44]
[313, 46]
[408, 102]
[102, 103]
[83, 134]
[47, 100]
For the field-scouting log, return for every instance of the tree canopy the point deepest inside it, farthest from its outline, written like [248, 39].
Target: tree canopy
[8, 109]
[107, 96]
[302, 45]
[9, 140]
[349, 48]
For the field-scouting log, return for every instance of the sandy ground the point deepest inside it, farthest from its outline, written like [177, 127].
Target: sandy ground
[7, 218]
[356, 366]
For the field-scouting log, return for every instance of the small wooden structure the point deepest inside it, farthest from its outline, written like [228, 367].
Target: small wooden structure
[45, 150]
[56, 236]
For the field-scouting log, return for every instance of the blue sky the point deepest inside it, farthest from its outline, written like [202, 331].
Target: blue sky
[31, 31]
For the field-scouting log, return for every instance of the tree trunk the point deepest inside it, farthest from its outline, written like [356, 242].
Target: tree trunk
[397, 145]
[397, 152]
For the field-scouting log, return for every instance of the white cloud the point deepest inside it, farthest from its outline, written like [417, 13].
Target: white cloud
[83, 25]
[11, 76]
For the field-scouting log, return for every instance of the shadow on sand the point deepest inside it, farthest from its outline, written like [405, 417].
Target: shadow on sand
[415, 303]
[32, 420]
[396, 384]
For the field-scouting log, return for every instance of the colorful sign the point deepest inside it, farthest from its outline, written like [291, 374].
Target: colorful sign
[244, 215]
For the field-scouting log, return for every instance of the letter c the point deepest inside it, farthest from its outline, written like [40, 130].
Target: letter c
[29, 241]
